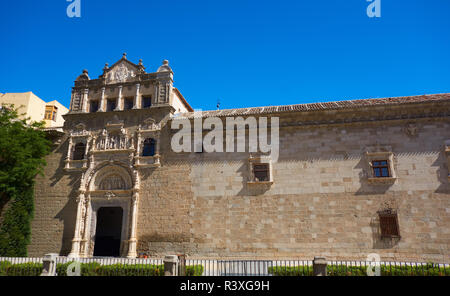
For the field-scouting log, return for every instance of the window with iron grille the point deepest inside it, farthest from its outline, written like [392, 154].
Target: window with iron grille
[261, 172]
[389, 225]
[380, 168]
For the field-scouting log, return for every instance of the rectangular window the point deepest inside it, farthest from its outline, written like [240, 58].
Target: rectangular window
[111, 104]
[94, 106]
[380, 168]
[128, 103]
[146, 101]
[50, 112]
[261, 172]
[389, 225]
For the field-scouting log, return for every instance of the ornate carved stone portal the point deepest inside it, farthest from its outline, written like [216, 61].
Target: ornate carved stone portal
[106, 184]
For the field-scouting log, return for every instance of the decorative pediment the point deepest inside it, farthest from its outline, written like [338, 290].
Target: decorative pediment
[79, 130]
[84, 76]
[149, 125]
[122, 71]
[114, 124]
[80, 126]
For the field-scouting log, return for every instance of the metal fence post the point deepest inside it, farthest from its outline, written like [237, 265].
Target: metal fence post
[49, 265]
[182, 265]
[171, 265]
[320, 266]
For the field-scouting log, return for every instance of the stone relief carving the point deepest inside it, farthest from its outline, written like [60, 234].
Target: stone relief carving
[109, 195]
[79, 130]
[163, 92]
[121, 73]
[113, 140]
[389, 204]
[411, 129]
[149, 124]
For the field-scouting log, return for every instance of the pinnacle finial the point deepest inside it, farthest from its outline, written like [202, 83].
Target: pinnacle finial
[166, 62]
[124, 56]
[85, 71]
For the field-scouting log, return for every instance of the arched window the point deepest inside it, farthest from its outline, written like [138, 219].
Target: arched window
[78, 151]
[149, 147]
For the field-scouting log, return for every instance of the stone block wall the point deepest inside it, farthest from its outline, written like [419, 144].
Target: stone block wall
[320, 203]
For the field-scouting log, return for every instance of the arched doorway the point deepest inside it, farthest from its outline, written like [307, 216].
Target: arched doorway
[108, 232]
[109, 185]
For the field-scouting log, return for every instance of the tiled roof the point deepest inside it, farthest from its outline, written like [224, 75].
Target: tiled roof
[339, 105]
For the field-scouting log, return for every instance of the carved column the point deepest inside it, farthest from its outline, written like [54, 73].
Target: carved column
[69, 153]
[158, 156]
[86, 230]
[119, 100]
[138, 144]
[134, 212]
[134, 215]
[86, 151]
[137, 104]
[85, 100]
[102, 101]
[75, 252]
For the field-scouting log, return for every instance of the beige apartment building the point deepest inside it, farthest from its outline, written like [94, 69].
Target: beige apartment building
[352, 178]
[36, 109]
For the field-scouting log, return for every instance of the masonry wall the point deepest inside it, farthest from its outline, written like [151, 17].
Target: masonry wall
[320, 203]
[55, 207]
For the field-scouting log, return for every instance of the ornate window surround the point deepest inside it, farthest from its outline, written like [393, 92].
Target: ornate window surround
[78, 135]
[102, 141]
[260, 159]
[380, 155]
[150, 129]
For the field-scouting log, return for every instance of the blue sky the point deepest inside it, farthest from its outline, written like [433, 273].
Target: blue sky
[245, 53]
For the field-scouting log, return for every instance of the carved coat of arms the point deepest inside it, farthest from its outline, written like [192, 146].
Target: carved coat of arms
[122, 73]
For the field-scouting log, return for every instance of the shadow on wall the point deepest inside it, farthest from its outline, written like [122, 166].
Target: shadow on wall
[442, 173]
[366, 188]
[250, 190]
[68, 213]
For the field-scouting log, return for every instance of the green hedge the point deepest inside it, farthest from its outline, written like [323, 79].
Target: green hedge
[94, 269]
[194, 270]
[22, 269]
[429, 269]
[291, 271]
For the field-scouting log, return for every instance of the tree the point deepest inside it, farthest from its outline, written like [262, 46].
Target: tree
[22, 149]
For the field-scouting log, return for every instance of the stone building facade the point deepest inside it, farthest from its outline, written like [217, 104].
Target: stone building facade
[352, 178]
